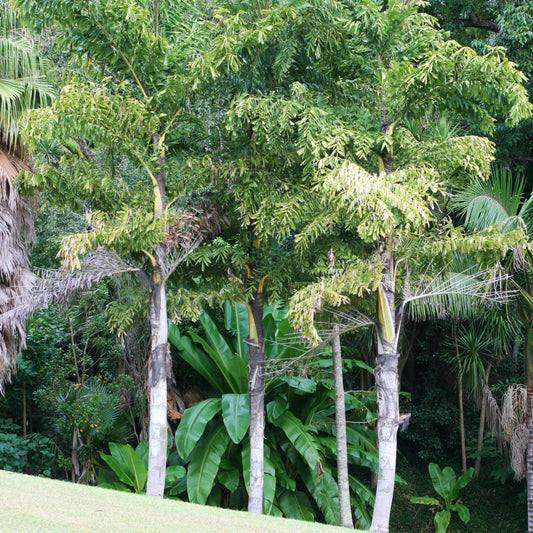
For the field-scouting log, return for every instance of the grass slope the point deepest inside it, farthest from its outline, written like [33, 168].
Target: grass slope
[32, 504]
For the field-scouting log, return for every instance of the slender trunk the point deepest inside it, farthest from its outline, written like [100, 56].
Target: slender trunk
[481, 430]
[387, 390]
[461, 403]
[340, 435]
[24, 430]
[256, 396]
[529, 421]
[157, 383]
[529, 463]
[157, 368]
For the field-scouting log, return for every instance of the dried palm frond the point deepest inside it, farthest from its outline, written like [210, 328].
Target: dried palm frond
[27, 293]
[16, 280]
[493, 414]
[518, 442]
[514, 409]
[186, 230]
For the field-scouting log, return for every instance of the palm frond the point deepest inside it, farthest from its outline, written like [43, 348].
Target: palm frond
[491, 202]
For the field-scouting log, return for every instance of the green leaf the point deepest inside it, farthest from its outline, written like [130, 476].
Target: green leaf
[173, 473]
[301, 438]
[325, 494]
[463, 480]
[424, 500]
[442, 521]
[192, 424]
[197, 358]
[236, 320]
[276, 408]
[142, 451]
[127, 465]
[205, 461]
[239, 370]
[443, 480]
[229, 478]
[269, 334]
[296, 505]
[462, 511]
[235, 414]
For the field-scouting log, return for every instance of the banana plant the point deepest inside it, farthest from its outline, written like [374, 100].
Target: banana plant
[447, 486]
[131, 468]
[299, 437]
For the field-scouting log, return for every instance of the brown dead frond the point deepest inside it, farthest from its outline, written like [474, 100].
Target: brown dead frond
[16, 280]
[26, 293]
[514, 409]
[186, 227]
[518, 443]
[186, 230]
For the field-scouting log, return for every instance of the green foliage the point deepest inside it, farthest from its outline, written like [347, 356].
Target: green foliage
[34, 454]
[299, 437]
[447, 486]
[130, 466]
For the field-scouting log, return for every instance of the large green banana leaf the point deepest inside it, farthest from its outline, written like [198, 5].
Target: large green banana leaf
[196, 357]
[236, 415]
[192, 424]
[296, 505]
[205, 461]
[127, 465]
[325, 493]
[301, 438]
[236, 320]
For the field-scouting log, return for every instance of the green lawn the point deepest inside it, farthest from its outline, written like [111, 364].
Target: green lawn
[32, 504]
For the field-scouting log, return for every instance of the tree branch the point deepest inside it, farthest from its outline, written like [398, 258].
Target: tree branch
[473, 21]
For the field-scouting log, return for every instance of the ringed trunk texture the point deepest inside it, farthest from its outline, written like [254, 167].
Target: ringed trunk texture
[343, 482]
[256, 397]
[157, 383]
[387, 390]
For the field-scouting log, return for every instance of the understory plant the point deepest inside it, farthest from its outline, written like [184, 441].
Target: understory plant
[447, 486]
[300, 448]
[130, 466]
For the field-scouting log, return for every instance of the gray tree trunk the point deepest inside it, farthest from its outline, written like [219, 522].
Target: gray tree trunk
[461, 402]
[256, 397]
[343, 482]
[387, 390]
[157, 382]
[481, 430]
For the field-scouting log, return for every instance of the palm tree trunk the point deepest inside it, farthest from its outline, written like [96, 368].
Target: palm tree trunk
[481, 431]
[256, 397]
[340, 435]
[157, 382]
[461, 402]
[157, 368]
[529, 422]
[387, 390]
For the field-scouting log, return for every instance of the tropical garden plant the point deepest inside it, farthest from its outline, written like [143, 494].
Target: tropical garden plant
[447, 486]
[131, 468]
[300, 446]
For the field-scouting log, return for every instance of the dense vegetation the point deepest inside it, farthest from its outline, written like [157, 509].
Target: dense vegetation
[221, 190]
